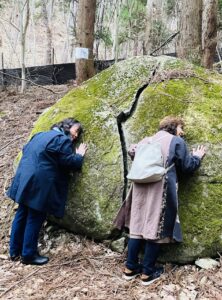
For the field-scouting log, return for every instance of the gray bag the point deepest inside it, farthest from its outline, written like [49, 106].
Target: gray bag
[148, 164]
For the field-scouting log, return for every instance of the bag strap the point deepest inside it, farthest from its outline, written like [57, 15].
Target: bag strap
[170, 167]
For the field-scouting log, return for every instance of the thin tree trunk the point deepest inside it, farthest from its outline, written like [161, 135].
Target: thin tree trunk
[65, 54]
[13, 34]
[154, 12]
[33, 32]
[135, 46]
[72, 27]
[129, 7]
[47, 15]
[209, 33]
[99, 25]
[24, 22]
[190, 26]
[85, 38]
[116, 31]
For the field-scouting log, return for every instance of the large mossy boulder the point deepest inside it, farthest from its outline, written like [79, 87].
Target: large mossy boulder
[120, 106]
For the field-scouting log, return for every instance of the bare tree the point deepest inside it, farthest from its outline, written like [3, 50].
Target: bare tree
[70, 22]
[24, 12]
[73, 12]
[190, 26]
[47, 11]
[149, 21]
[116, 30]
[99, 24]
[84, 40]
[33, 28]
[155, 20]
[209, 32]
[10, 27]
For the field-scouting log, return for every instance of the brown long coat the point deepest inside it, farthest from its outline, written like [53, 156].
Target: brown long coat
[150, 211]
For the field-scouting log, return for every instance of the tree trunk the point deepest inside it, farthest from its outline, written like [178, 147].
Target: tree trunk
[135, 46]
[154, 12]
[33, 25]
[115, 51]
[47, 15]
[72, 27]
[99, 24]
[209, 33]
[85, 38]
[190, 26]
[24, 22]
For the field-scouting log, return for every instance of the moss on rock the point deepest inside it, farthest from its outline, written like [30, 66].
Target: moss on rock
[95, 195]
[198, 100]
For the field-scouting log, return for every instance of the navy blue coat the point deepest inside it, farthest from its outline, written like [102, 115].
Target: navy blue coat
[41, 179]
[184, 164]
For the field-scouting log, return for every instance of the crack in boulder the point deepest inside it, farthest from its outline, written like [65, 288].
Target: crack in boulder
[122, 117]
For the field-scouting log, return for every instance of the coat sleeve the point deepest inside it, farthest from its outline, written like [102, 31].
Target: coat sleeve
[69, 159]
[185, 162]
[63, 147]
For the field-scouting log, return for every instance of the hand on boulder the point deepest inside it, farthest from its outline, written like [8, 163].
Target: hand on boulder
[81, 149]
[200, 151]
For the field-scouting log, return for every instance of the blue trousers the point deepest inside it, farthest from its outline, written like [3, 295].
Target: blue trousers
[151, 253]
[25, 231]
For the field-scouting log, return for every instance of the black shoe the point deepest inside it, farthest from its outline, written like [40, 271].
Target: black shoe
[35, 260]
[130, 274]
[14, 257]
[148, 279]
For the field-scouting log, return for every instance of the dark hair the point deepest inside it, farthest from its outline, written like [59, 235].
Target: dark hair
[170, 123]
[66, 124]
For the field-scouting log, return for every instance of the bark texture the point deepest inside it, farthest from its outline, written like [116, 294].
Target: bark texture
[209, 32]
[24, 11]
[85, 38]
[47, 15]
[190, 26]
[154, 15]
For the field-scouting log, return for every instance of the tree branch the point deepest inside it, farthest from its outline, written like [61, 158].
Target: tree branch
[166, 42]
[28, 81]
[11, 24]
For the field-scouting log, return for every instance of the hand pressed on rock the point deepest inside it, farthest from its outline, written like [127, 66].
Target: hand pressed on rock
[81, 149]
[200, 151]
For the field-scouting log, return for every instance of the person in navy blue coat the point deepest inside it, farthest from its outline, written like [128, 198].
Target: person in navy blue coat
[40, 185]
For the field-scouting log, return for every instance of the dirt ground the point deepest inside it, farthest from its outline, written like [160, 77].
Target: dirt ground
[79, 268]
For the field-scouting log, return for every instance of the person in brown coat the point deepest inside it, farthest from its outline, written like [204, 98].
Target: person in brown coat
[150, 210]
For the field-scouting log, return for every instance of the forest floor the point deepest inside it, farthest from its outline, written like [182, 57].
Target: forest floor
[79, 268]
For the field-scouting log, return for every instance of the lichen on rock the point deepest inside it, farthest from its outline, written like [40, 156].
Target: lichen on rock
[114, 115]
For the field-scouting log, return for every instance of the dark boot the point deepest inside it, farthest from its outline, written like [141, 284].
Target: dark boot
[35, 260]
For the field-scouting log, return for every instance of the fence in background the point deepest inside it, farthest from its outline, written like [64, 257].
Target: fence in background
[47, 75]
[57, 73]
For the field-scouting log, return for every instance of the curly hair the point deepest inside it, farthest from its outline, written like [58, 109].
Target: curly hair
[66, 124]
[170, 123]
